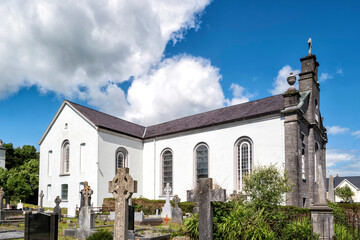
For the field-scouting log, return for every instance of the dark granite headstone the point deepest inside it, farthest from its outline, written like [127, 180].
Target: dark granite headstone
[57, 208]
[131, 218]
[41, 226]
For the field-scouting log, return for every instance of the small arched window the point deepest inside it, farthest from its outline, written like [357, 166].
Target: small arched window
[303, 165]
[167, 169]
[202, 161]
[244, 160]
[65, 162]
[121, 158]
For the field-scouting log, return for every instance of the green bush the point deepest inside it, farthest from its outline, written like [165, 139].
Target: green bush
[245, 222]
[192, 226]
[299, 229]
[343, 232]
[101, 235]
[339, 213]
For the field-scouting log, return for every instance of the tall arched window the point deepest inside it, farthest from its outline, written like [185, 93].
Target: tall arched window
[121, 158]
[167, 170]
[244, 160]
[202, 161]
[303, 165]
[65, 162]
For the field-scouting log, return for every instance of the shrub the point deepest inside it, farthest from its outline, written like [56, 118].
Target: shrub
[101, 235]
[339, 213]
[299, 229]
[345, 193]
[245, 223]
[343, 232]
[266, 186]
[192, 226]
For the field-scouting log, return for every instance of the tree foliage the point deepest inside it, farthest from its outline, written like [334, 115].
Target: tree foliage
[266, 186]
[344, 193]
[20, 179]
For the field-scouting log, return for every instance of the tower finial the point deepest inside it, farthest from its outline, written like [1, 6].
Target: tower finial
[310, 46]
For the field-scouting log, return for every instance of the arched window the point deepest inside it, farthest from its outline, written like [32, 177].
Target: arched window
[167, 170]
[121, 158]
[65, 162]
[244, 160]
[202, 161]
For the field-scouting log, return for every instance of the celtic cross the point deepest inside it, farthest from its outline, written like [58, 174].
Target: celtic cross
[176, 199]
[122, 187]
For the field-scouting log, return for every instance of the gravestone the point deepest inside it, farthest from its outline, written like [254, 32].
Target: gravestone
[40, 226]
[139, 217]
[131, 225]
[167, 208]
[205, 195]
[57, 208]
[2, 212]
[41, 209]
[122, 187]
[177, 214]
[331, 193]
[112, 216]
[157, 212]
[321, 214]
[20, 205]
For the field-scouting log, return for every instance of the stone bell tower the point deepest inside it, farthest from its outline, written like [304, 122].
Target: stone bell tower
[305, 136]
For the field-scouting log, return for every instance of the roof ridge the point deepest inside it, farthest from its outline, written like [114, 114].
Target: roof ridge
[103, 113]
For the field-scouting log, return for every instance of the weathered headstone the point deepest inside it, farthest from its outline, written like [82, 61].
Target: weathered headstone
[331, 193]
[112, 215]
[205, 195]
[167, 208]
[321, 214]
[122, 187]
[157, 212]
[57, 208]
[86, 215]
[41, 209]
[139, 217]
[177, 214]
[2, 212]
[41, 226]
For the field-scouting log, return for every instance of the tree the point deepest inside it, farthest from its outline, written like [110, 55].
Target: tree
[344, 193]
[20, 179]
[266, 186]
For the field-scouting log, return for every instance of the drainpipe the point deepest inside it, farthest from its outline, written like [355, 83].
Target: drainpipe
[154, 167]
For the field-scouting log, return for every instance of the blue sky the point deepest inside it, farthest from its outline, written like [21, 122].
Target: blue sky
[146, 64]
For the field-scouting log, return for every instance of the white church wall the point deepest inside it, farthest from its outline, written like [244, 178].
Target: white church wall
[108, 144]
[83, 157]
[267, 134]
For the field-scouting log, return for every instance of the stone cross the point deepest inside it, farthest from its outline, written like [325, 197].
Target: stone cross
[204, 194]
[122, 187]
[41, 198]
[310, 46]
[2, 194]
[167, 191]
[331, 194]
[167, 209]
[176, 199]
[57, 208]
[88, 193]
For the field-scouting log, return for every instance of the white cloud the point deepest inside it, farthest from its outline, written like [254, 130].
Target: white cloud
[324, 77]
[342, 162]
[340, 71]
[62, 46]
[280, 83]
[239, 95]
[336, 130]
[356, 134]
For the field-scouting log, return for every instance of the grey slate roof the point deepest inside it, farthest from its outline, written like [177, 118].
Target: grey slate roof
[253, 109]
[355, 180]
[109, 122]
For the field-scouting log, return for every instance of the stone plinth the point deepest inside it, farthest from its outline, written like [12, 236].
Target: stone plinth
[322, 221]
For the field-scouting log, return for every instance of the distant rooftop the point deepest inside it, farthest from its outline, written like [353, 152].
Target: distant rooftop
[355, 180]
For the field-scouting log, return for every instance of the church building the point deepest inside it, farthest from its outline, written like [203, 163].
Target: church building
[82, 144]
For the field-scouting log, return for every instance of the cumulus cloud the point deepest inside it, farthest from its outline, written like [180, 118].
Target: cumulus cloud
[356, 134]
[336, 130]
[239, 95]
[65, 46]
[324, 77]
[342, 162]
[280, 83]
